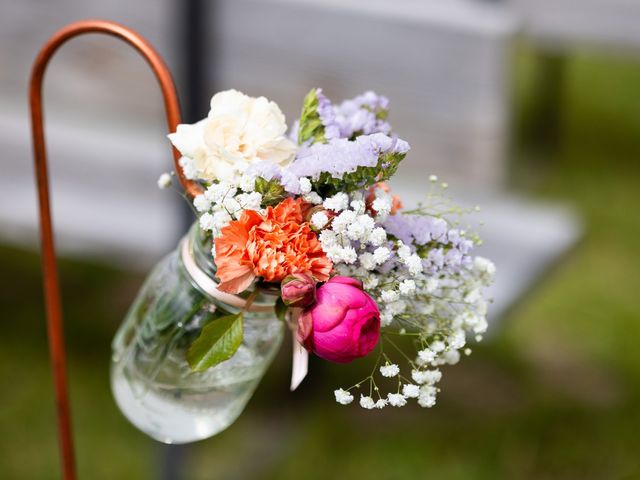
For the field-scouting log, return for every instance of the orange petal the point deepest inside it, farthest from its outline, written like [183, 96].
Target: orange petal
[237, 284]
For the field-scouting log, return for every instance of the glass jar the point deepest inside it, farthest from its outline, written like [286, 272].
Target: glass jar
[150, 378]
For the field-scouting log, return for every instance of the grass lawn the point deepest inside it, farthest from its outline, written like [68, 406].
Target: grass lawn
[556, 395]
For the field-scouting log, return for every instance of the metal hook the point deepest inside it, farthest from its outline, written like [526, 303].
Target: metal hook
[53, 303]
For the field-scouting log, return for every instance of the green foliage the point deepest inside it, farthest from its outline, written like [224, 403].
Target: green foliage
[218, 341]
[310, 124]
[271, 190]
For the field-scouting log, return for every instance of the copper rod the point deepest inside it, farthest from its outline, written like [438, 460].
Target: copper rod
[53, 304]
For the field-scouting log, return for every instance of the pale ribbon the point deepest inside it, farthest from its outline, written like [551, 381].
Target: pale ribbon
[300, 360]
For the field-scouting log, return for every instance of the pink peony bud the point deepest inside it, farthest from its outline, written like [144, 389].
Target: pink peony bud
[298, 290]
[343, 324]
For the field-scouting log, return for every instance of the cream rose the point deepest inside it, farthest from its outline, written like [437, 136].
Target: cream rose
[238, 131]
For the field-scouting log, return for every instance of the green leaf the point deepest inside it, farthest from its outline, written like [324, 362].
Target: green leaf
[218, 341]
[310, 123]
[271, 190]
[281, 309]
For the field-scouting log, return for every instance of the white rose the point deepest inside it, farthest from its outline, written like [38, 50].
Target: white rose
[238, 131]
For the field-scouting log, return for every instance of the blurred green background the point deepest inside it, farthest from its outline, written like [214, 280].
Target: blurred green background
[555, 394]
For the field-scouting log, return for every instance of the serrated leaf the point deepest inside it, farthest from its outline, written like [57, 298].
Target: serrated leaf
[218, 341]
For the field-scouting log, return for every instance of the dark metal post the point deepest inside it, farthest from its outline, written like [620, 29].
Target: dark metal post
[194, 90]
[194, 85]
[194, 82]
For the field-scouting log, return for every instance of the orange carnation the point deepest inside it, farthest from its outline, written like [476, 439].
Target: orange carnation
[271, 246]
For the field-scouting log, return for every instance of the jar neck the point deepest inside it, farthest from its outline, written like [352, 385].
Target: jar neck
[200, 247]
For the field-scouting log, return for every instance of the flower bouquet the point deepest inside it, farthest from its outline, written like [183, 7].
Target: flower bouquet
[297, 230]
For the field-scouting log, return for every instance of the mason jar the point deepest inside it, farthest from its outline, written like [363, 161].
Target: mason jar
[151, 379]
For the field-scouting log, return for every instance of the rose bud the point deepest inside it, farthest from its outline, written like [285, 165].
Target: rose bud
[343, 324]
[298, 290]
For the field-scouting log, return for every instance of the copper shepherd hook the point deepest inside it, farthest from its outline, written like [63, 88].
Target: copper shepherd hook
[50, 272]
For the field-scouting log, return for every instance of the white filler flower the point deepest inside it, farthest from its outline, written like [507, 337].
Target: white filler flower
[367, 402]
[389, 370]
[319, 220]
[164, 181]
[238, 131]
[410, 390]
[396, 400]
[343, 397]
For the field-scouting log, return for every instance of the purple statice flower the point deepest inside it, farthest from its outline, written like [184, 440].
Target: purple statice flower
[264, 169]
[327, 115]
[341, 156]
[359, 115]
[355, 116]
[399, 229]
[383, 143]
[290, 182]
[464, 245]
[271, 171]
[453, 257]
[389, 265]
[453, 236]
[416, 229]
[452, 249]
[372, 100]
[293, 131]
[436, 258]
[337, 157]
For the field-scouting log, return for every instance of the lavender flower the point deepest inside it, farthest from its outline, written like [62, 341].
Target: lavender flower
[327, 116]
[336, 157]
[265, 169]
[383, 143]
[416, 229]
[293, 131]
[342, 156]
[290, 182]
[452, 250]
[269, 171]
[372, 100]
[362, 115]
